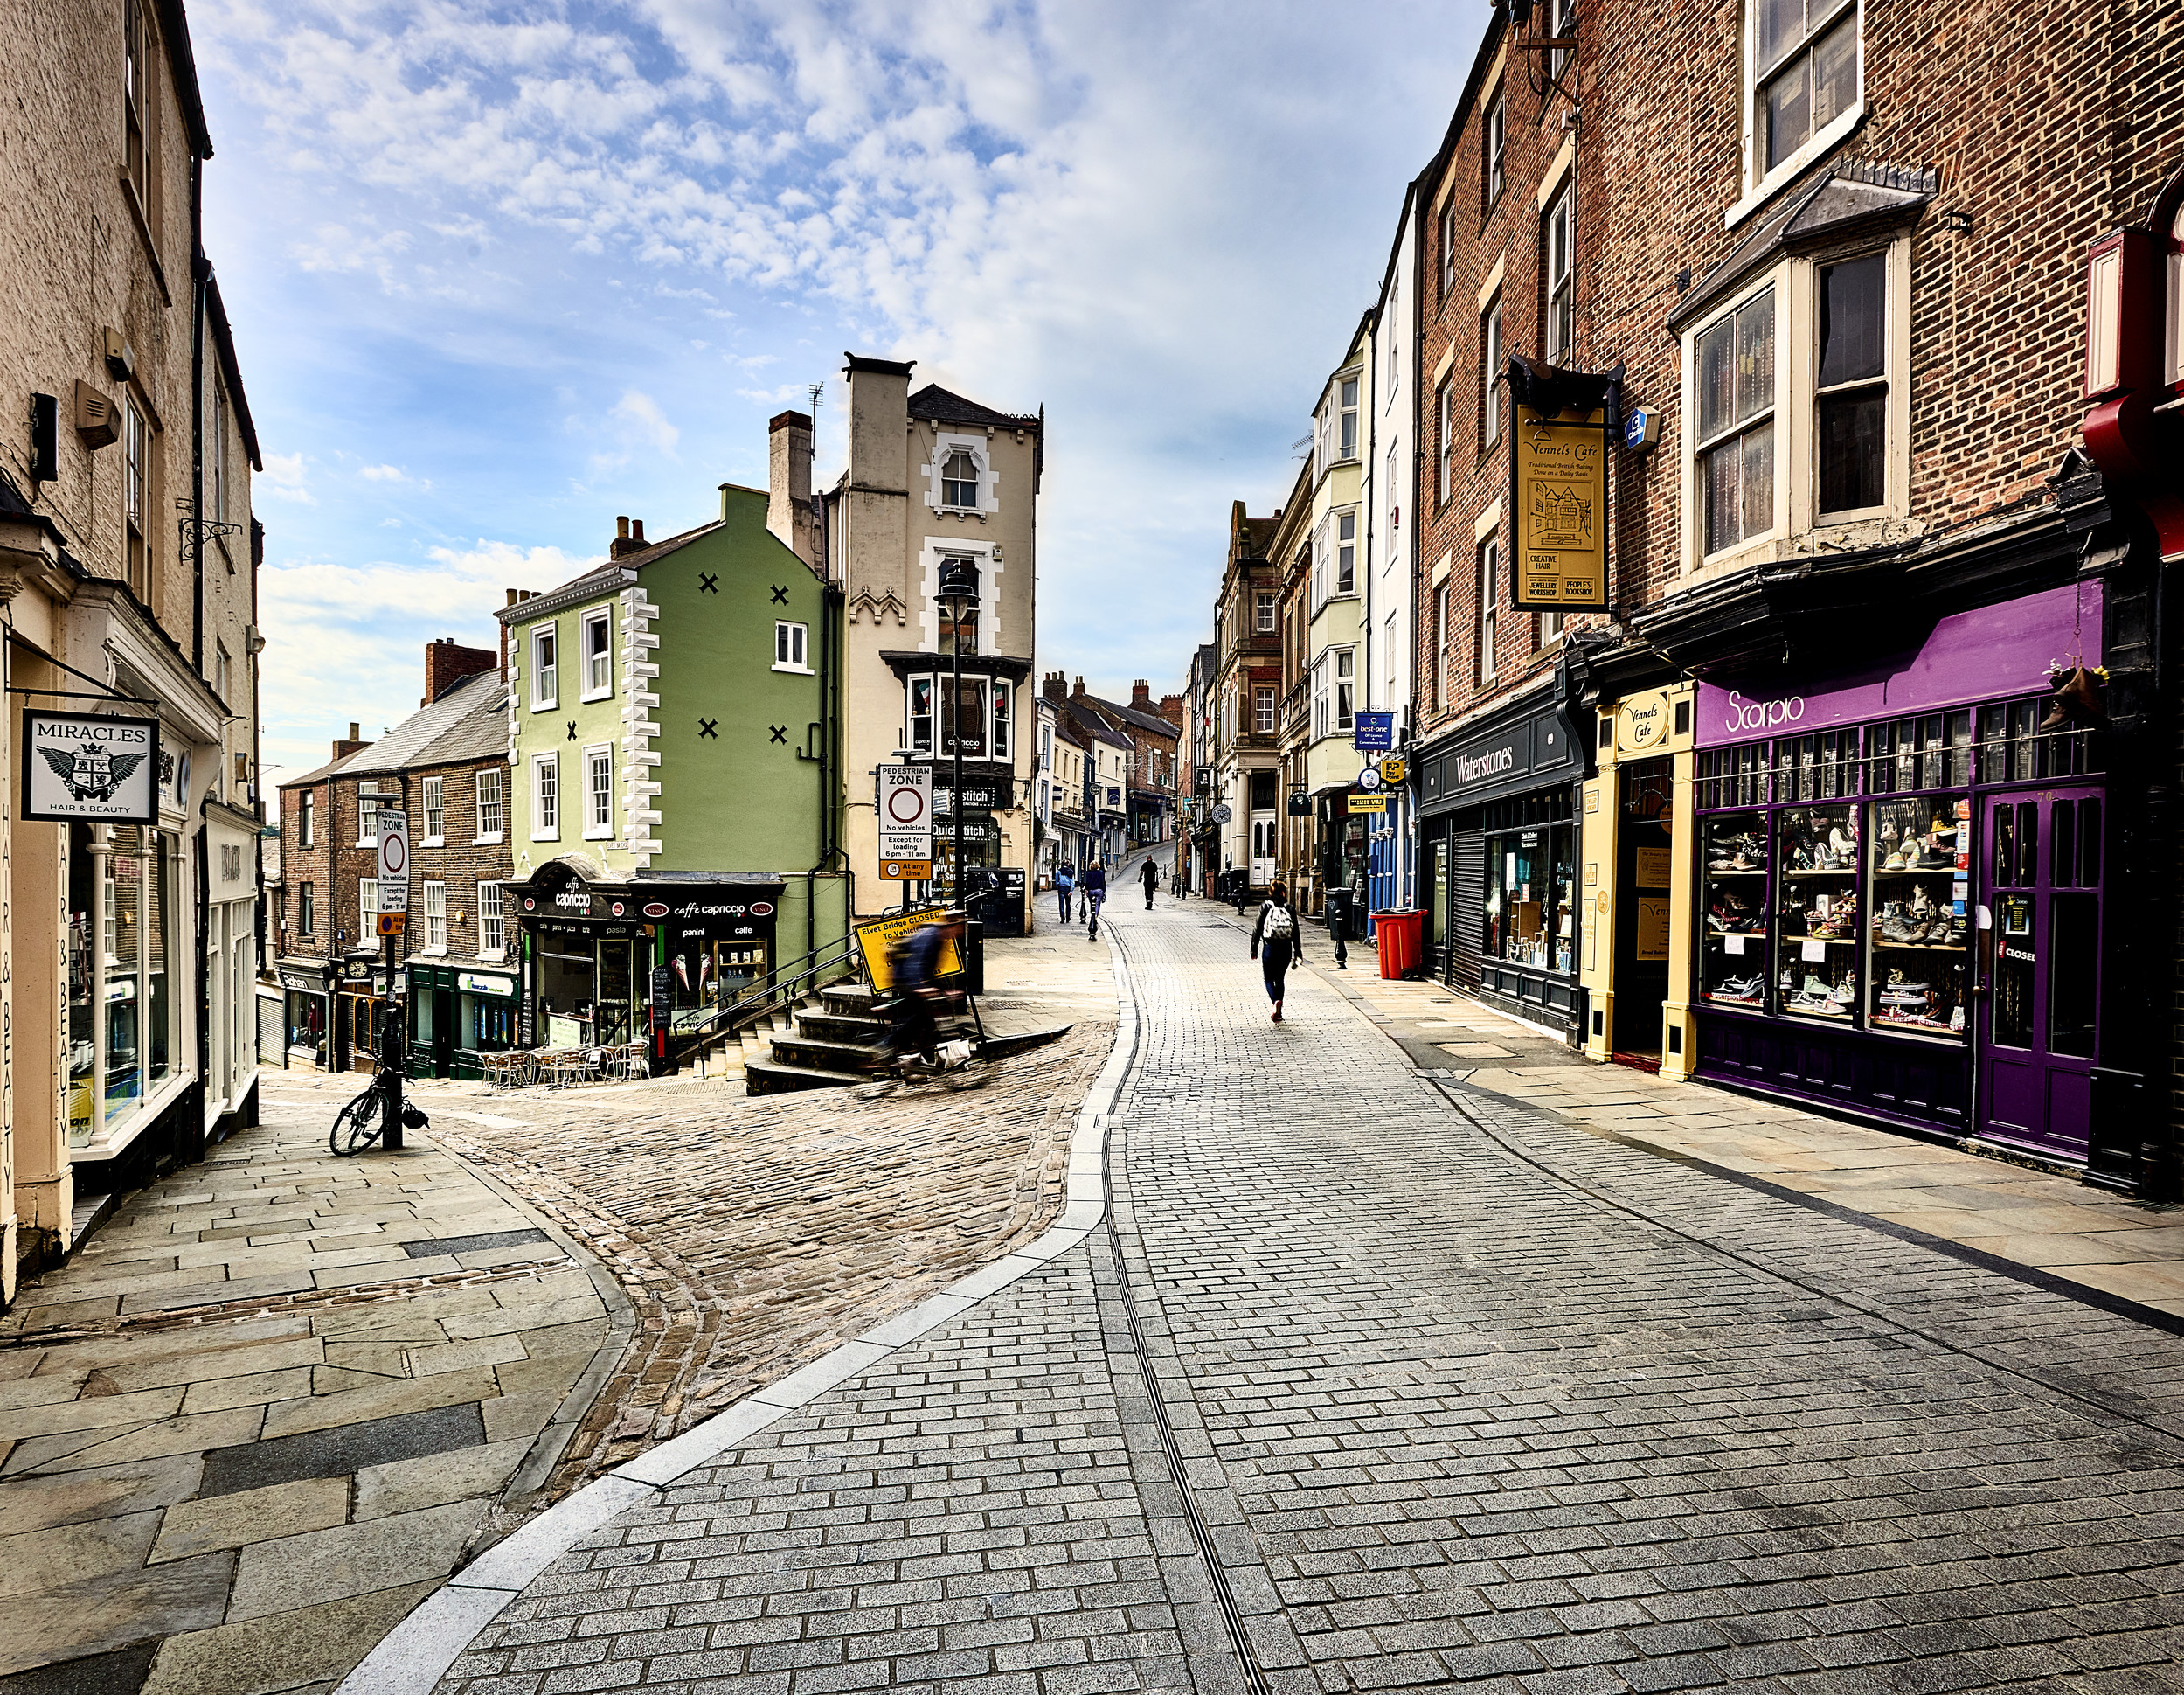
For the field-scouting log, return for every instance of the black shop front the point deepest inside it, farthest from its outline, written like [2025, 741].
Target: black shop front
[1498, 849]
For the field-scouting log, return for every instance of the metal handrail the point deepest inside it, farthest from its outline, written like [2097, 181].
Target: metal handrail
[783, 988]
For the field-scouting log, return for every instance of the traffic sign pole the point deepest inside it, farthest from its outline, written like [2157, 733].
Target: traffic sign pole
[394, 897]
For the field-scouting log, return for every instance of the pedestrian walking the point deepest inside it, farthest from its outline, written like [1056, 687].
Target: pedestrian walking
[1095, 888]
[1275, 941]
[1149, 874]
[1064, 882]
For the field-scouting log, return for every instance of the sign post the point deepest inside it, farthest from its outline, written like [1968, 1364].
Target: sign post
[905, 825]
[1558, 480]
[394, 902]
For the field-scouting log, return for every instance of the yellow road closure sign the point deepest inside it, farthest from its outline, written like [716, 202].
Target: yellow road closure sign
[876, 939]
[1366, 803]
[1559, 473]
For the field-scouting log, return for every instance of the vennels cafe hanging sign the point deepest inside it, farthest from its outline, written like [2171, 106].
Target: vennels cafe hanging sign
[1559, 489]
[98, 770]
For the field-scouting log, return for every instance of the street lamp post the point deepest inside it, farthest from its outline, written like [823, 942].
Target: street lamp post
[958, 593]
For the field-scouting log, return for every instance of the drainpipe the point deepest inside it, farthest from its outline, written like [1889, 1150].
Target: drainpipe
[200, 273]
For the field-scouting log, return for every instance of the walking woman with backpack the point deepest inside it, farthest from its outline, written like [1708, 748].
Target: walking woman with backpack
[1275, 941]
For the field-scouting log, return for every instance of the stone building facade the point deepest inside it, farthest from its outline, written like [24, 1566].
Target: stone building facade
[129, 554]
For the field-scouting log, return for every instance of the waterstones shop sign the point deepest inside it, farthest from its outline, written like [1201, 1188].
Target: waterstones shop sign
[100, 770]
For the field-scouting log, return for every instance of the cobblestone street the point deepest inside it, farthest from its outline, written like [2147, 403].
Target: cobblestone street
[1370, 1379]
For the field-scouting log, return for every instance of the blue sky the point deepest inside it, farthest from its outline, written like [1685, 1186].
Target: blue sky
[502, 273]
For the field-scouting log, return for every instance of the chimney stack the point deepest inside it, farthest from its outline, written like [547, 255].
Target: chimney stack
[354, 742]
[1171, 708]
[445, 663]
[1054, 685]
[1077, 693]
[629, 538]
[1141, 695]
[788, 503]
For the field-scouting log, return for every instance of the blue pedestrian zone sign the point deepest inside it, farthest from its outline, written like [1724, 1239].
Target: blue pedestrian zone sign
[1374, 733]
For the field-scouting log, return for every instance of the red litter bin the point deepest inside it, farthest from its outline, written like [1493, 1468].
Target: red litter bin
[1402, 939]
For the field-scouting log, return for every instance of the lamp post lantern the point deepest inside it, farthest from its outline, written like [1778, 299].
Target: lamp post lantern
[957, 592]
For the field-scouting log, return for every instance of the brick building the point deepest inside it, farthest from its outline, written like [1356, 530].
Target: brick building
[128, 555]
[1247, 704]
[447, 767]
[1803, 808]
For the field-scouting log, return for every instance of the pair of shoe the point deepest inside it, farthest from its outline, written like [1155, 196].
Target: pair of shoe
[1738, 988]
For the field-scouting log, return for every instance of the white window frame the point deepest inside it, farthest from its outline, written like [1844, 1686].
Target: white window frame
[367, 908]
[1346, 552]
[1497, 148]
[912, 738]
[1760, 184]
[1446, 235]
[1562, 18]
[598, 757]
[545, 675]
[1345, 691]
[1489, 372]
[1265, 612]
[432, 796]
[948, 503]
[792, 647]
[545, 797]
[435, 909]
[598, 668]
[1776, 282]
[1558, 283]
[1445, 445]
[492, 922]
[1490, 568]
[1348, 438]
[499, 804]
[1265, 708]
[1441, 598]
[368, 813]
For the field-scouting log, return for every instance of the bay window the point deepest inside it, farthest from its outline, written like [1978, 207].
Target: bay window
[1346, 553]
[1735, 437]
[988, 707]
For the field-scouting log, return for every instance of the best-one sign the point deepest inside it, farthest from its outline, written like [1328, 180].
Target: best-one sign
[102, 770]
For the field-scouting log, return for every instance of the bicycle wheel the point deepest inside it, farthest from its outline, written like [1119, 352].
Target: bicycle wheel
[356, 1125]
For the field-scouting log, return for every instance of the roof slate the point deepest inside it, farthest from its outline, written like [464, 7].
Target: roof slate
[937, 405]
[414, 740]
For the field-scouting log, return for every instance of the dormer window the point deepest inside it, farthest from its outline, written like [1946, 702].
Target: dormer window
[959, 480]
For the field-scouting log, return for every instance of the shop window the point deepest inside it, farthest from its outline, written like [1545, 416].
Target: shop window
[1530, 913]
[306, 909]
[435, 797]
[1735, 437]
[789, 641]
[599, 794]
[492, 922]
[492, 812]
[545, 797]
[1489, 374]
[1853, 394]
[1558, 287]
[545, 668]
[598, 654]
[435, 917]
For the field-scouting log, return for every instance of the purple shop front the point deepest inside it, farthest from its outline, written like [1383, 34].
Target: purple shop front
[1900, 881]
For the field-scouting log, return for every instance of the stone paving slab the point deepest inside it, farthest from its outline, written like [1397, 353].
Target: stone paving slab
[201, 1428]
[1374, 1380]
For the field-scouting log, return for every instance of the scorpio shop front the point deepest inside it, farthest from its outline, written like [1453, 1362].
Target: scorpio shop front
[1900, 878]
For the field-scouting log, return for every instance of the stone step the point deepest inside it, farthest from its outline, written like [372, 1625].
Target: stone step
[839, 1027]
[853, 998]
[819, 1056]
[765, 1077]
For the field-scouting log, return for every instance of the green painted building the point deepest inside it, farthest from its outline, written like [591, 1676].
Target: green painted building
[674, 780]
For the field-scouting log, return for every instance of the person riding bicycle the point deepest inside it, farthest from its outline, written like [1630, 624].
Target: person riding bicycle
[1093, 886]
[917, 974]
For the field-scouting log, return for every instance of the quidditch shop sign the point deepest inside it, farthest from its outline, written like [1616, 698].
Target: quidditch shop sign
[99, 770]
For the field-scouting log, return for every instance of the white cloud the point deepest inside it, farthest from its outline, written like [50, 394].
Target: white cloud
[381, 473]
[647, 423]
[283, 479]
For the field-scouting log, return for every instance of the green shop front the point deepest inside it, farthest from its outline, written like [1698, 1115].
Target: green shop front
[460, 1009]
[596, 955]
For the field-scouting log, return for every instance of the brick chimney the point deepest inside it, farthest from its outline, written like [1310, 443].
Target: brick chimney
[1077, 693]
[1171, 708]
[353, 744]
[1142, 695]
[1054, 686]
[629, 538]
[788, 514]
[445, 663]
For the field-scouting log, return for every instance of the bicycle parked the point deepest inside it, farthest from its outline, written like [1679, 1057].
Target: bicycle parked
[363, 1120]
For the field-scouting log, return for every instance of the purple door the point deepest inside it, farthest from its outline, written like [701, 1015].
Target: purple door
[2043, 888]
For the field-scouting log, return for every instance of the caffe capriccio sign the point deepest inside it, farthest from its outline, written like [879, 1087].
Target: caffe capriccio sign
[1558, 486]
[98, 770]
